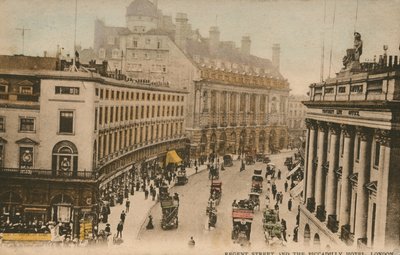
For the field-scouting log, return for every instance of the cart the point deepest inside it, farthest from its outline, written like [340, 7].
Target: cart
[249, 160]
[228, 161]
[169, 209]
[272, 227]
[242, 218]
[255, 198]
[181, 177]
[216, 191]
[257, 183]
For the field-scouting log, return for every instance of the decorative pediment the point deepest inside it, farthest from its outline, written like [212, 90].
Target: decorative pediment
[25, 83]
[2, 140]
[372, 186]
[4, 82]
[354, 178]
[27, 140]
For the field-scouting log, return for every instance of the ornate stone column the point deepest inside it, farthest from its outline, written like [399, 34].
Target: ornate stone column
[385, 140]
[321, 164]
[347, 169]
[310, 168]
[331, 181]
[360, 228]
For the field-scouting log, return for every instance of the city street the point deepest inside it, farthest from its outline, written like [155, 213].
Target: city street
[192, 215]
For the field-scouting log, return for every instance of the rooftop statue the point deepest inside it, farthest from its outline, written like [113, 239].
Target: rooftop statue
[352, 58]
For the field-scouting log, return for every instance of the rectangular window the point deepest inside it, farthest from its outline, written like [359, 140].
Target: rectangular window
[111, 114]
[142, 112]
[26, 90]
[95, 118]
[181, 110]
[158, 111]
[112, 94]
[358, 147]
[121, 118]
[377, 153]
[147, 111]
[116, 113]
[66, 122]
[101, 93]
[2, 124]
[342, 90]
[26, 157]
[26, 124]
[107, 94]
[100, 115]
[126, 113]
[97, 92]
[137, 113]
[117, 95]
[67, 90]
[135, 44]
[131, 113]
[356, 88]
[106, 115]
[152, 111]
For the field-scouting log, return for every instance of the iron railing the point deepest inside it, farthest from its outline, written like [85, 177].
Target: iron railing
[46, 173]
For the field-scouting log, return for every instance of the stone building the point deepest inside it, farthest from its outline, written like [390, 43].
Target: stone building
[296, 120]
[65, 135]
[352, 157]
[153, 48]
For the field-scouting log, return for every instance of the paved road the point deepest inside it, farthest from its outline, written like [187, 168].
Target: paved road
[193, 202]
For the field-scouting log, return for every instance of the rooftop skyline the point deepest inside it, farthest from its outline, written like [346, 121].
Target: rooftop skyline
[297, 25]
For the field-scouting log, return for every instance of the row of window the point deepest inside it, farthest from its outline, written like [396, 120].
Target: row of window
[119, 140]
[28, 124]
[111, 114]
[125, 95]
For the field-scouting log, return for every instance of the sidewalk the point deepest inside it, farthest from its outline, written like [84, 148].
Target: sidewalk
[139, 211]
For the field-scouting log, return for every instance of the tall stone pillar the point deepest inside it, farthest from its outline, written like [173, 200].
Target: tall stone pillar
[360, 230]
[382, 189]
[310, 167]
[331, 181]
[347, 169]
[320, 173]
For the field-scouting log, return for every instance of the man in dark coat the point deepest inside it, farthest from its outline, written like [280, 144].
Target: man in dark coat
[123, 215]
[120, 227]
[289, 205]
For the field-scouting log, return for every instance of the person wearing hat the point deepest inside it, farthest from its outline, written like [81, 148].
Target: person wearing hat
[107, 229]
[191, 242]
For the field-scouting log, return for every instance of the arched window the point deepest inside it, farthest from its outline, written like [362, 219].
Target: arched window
[65, 159]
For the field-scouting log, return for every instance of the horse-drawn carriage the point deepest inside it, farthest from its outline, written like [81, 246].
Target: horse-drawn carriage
[255, 198]
[242, 218]
[257, 182]
[250, 160]
[214, 172]
[216, 191]
[181, 177]
[272, 227]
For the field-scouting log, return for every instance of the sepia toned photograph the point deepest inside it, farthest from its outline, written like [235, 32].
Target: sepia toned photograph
[227, 127]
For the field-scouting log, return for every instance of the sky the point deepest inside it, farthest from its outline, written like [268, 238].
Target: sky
[301, 27]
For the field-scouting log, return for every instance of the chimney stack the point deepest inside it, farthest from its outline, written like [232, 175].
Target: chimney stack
[214, 39]
[181, 29]
[276, 52]
[245, 46]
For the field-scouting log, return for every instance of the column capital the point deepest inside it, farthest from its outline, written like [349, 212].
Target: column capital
[334, 128]
[312, 124]
[364, 133]
[348, 130]
[322, 126]
[384, 137]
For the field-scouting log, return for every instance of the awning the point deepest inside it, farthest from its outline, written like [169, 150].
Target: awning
[293, 170]
[172, 157]
[297, 189]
